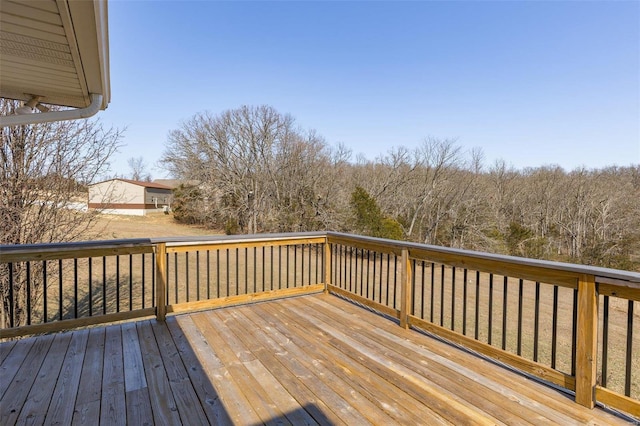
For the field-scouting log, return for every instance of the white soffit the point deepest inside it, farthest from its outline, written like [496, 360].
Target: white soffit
[55, 49]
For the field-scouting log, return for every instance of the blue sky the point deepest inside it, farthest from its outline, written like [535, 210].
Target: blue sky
[530, 82]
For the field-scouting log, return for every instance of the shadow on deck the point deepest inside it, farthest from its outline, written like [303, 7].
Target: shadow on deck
[313, 359]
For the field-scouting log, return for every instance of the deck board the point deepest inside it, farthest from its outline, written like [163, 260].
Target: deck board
[186, 399]
[303, 361]
[161, 397]
[14, 398]
[186, 336]
[60, 411]
[113, 404]
[5, 350]
[447, 381]
[10, 365]
[87, 405]
[35, 408]
[396, 404]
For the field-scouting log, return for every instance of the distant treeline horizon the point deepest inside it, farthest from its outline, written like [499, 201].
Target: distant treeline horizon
[258, 172]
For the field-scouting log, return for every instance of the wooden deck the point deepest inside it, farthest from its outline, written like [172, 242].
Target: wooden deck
[305, 360]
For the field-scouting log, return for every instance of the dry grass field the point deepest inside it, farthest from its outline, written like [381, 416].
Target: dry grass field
[109, 227]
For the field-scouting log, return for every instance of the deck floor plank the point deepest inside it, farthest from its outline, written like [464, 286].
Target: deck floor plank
[231, 349]
[139, 411]
[16, 353]
[187, 401]
[516, 387]
[337, 398]
[234, 401]
[162, 399]
[314, 359]
[465, 387]
[15, 396]
[293, 412]
[400, 405]
[113, 407]
[186, 336]
[295, 385]
[378, 408]
[5, 349]
[134, 378]
[441, 400]
[35, 407]
[61, 411]
[291, 351]
[87, 404]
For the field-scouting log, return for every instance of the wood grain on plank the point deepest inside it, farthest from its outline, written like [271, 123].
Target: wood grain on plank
[112, 405]
[13, 360]
[442, 401]
[187, 401]
[61, 409]
[186, 336]
[475, 388]
[5, 348]
[132, 357]
[35, 407]
[235, 402]
[234, 354]
[87, 406]
[295, 385]
[15, 396]
[163, 403]
[313, 359]
[541, 395]
[389, 394]
[139, 410]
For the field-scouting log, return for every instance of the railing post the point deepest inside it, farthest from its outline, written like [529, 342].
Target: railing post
[161, 281]
[586, 341]
[327, 265]
[405, 291]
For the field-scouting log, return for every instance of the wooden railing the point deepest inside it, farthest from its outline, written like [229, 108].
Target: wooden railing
[570, 325]
[49, 287]
[211, 273]
[52, 287]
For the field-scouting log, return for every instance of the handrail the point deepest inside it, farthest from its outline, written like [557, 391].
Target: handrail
[246, 265]
[633, 278]
[51, 251]
[101, 268]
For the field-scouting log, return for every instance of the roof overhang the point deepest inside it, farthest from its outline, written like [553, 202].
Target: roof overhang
[57, 50]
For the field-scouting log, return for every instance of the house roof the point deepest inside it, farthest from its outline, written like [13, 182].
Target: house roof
[137, 182]
[174, 183]
[55, 49]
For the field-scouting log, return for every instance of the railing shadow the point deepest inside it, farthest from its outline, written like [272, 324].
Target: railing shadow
[293, 417]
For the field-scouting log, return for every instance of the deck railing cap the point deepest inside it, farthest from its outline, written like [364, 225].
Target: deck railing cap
[632, 277]
[238, 238]
[12, 248]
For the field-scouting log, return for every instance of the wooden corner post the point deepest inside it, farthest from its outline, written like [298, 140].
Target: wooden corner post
[405, 291]
[327, 265]
[587, 341]
[161, 281]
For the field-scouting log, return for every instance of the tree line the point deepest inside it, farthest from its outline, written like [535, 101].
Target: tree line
[259, 172]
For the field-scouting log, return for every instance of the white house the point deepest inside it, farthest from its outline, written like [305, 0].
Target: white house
[129, 197]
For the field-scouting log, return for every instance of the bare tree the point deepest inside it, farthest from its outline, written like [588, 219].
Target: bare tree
[138, 168]
[44, 172]
[261, 173]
